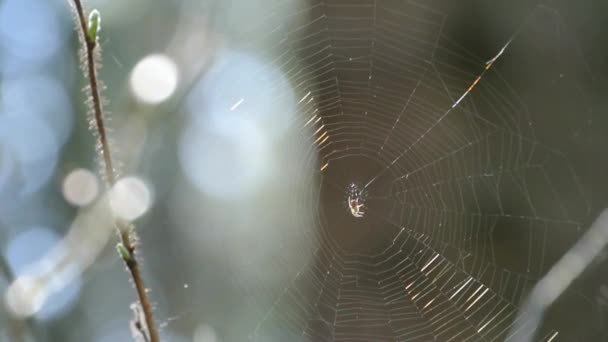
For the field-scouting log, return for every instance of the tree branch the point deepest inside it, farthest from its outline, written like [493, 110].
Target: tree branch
[125, 231]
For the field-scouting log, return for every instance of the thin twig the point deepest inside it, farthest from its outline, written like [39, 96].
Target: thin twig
[125, 231]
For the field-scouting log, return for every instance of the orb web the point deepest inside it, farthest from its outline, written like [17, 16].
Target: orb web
[470, 198]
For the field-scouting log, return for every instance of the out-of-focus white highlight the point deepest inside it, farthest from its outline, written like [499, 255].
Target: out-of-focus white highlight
[154, 78]
[237, 111]
[240, 85]
[558, 279]
[130, 198]
[80, 187]
[205, 333]
[45, 285]
[25, 296]
[226, 162]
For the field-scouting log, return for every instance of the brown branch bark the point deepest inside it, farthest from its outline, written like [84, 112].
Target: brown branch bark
[125, 231]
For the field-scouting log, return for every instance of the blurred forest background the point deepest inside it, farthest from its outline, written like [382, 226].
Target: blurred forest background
[227, 205]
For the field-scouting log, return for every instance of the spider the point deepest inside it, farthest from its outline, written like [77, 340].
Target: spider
[356, 208]
[355, 201]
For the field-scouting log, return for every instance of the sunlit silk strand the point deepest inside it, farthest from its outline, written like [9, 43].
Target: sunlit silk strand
[487, 67]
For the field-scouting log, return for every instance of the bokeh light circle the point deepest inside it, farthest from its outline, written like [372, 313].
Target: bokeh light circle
[243, 86]
[42, 288]
[225, 162]
[130, 198]
[154, 78]
[80, 187]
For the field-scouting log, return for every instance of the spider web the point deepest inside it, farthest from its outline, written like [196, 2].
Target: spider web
[469, 199]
